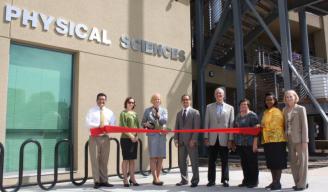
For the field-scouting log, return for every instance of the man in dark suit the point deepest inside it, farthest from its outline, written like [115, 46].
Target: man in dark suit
[187, 118]
[218, 115]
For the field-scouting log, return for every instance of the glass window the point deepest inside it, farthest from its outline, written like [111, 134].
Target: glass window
[38, 105]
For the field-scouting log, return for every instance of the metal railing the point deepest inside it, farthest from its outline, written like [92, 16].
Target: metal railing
[73, 180]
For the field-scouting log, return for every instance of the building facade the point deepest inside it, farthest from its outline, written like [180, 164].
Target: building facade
[57, 55]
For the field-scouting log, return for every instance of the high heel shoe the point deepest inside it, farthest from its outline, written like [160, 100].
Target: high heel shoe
[160, 183]
[126, 184]
[134, 184]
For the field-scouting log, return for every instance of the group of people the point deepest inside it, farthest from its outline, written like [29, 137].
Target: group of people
[279, 129]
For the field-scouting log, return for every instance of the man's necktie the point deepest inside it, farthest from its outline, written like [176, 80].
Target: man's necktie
[102, 118]
[184, 116]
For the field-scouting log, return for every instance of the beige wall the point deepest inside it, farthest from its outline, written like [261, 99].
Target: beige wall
[4, 59]
[321, 39]
[111, 69]
[311, 19]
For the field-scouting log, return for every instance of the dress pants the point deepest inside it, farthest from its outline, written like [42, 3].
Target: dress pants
[99, 154]
[183, 151]
[298, 163]
[249, 164]
[212, 156]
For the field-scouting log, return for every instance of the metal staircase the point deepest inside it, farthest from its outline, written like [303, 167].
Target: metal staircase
[256, 15]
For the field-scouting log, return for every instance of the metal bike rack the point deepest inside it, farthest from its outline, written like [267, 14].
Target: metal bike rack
[167, 170]
[117, 157]
[52, 184]
[21, 165]
[144, 173]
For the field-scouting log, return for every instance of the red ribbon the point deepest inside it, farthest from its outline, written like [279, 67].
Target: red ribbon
[117, 129]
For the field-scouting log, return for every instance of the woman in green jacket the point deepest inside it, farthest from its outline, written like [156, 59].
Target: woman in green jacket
[129, 141]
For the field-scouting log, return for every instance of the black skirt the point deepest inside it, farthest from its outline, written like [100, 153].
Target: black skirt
[275, 155]
[129, 149]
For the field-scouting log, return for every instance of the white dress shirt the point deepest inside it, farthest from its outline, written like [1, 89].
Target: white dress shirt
[93, 117]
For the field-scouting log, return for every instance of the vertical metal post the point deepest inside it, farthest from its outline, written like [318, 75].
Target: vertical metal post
[239, 50]
[199, 44]
[201, 85]
[305, 46]
[306, 69]
[285, 42]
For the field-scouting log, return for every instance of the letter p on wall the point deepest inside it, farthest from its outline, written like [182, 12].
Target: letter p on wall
[12, 12]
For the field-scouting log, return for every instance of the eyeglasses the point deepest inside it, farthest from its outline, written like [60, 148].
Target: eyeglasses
[130, 102]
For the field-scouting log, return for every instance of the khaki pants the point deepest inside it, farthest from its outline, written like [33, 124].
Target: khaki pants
[99, 154]
[298, 158]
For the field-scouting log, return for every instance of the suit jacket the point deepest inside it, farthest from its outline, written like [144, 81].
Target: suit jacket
[299, 125]
[192, 121]
[223, 120]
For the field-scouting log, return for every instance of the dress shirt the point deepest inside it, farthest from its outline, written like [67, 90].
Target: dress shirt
[219, 107]
[93, 117]
[187, 110]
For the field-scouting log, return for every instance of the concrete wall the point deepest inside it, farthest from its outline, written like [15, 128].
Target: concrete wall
[111, 69]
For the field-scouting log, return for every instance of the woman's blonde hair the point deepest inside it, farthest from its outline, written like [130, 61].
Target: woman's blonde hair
[293, 93]
[154, 96]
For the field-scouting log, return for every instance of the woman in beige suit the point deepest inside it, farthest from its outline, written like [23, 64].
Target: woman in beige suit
[297, 135]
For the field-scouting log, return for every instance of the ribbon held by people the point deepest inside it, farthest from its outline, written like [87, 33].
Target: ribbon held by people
[117, 129]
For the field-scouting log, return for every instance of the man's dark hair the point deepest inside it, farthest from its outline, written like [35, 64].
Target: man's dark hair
[185, 95]
[101, 95]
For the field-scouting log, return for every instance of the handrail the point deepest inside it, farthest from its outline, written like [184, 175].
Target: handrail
[117, 156]
[313, 99]
[167, 170]
[144, 173]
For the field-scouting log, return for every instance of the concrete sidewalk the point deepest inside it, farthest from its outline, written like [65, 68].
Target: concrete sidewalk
[318, 181]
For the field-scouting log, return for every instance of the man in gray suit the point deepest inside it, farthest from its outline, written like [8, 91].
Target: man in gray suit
[218, 115]
[187, 118]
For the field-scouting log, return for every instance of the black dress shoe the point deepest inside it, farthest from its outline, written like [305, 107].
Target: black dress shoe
[275, 186]
[242, 185]
[306, 186]
[252, 185]
[126, 185]
[299, 189]
[106, 185]
[96, 185]
[181, 183]
[225, 184]
[269, 186]
[210, 184]
[194, 185]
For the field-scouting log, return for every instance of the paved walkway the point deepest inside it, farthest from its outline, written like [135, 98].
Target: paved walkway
[318, 181]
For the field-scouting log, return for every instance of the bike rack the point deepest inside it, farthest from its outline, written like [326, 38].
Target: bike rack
[144, 173]
[53, 183]
[117, 157]
[167, 170]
